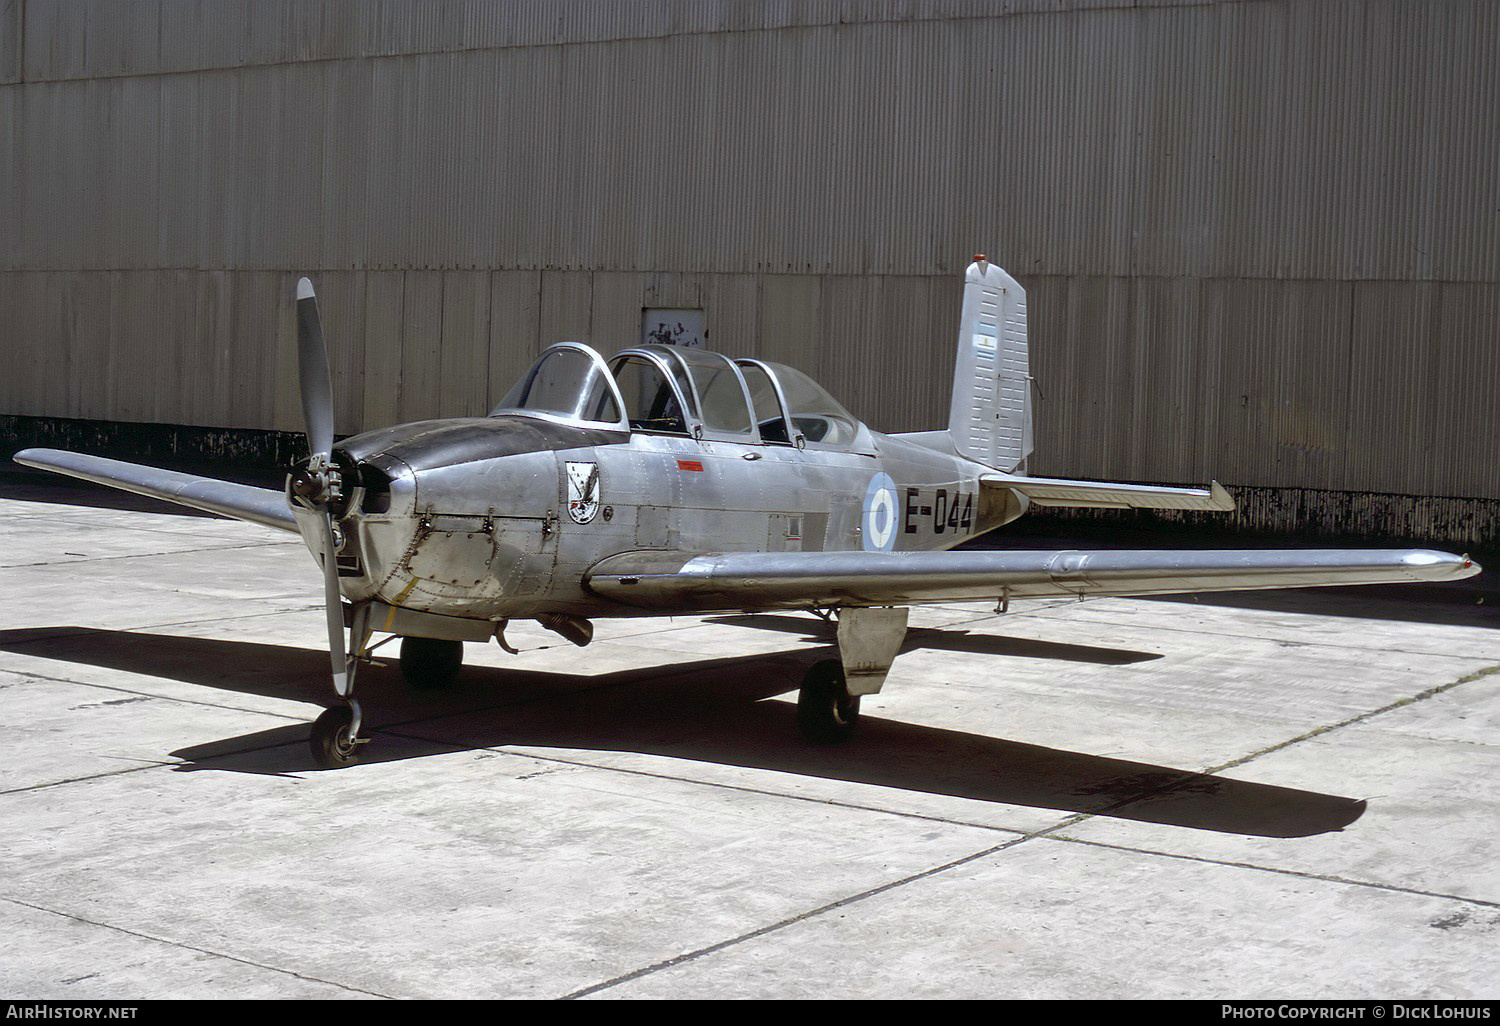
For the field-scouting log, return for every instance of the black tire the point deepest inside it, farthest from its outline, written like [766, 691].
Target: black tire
[429, 664]
[333, 747]
[826, 712]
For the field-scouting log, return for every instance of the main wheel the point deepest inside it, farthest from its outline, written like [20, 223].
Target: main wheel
[826, 712]
[333, 745]
[430, 664]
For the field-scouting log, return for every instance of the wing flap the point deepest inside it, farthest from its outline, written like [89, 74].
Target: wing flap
[242, 502]
[704, 582]
[1049, 491]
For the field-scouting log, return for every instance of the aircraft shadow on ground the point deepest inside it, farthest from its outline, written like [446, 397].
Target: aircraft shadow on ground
[710, 711]
[948, 639]
[1437, 603]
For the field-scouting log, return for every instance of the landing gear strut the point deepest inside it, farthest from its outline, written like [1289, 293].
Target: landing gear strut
[335, 741]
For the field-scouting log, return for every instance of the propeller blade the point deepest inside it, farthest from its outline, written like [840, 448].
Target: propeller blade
[333, 604]
[312, 373]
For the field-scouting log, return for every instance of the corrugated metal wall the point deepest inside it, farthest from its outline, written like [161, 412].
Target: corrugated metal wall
[1260, 237]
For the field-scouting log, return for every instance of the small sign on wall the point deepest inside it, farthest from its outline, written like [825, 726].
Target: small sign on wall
[665, 327]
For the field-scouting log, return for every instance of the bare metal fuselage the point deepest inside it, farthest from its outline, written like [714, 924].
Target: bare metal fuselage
[478, 521]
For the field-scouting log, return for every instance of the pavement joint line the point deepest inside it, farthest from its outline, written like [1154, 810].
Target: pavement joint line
[177, 532]
[1051, 832]
[305, 608]
[164, 698]
[192, 947]
[80, 631]
[1421, 696]
[140, 555]
[77, 780]
[692, 956]
[1298, 873]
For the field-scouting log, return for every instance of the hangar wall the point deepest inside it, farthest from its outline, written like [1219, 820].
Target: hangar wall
[1258, 236]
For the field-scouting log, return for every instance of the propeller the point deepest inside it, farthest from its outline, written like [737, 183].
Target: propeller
[312, 374]
[316, 485]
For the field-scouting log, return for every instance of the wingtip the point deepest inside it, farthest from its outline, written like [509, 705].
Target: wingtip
[305, 289]
[29, 457]
[1433, 565]
[1221, 500]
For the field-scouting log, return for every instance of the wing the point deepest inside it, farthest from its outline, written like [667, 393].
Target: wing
[704, 582]
[242, 502]
[1051, 491]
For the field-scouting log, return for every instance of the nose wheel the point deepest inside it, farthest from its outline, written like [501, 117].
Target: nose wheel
[335, 740]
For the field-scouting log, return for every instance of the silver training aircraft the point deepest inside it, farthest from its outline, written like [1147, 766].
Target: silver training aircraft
[670, 480]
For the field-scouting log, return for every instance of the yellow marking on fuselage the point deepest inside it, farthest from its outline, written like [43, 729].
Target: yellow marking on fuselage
[390, 617]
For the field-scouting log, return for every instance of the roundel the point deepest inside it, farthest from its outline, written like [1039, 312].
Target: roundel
[879, 534]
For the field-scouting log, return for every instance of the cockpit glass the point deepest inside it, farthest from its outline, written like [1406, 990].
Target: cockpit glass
[565, 382]
[815, 413]
[723, 406]
[651, 403]
[723, 399]
[767, 407]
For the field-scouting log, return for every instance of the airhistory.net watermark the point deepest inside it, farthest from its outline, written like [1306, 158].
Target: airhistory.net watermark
[51, 1011]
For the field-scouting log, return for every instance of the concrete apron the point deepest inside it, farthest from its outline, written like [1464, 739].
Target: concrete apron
[1118, 798]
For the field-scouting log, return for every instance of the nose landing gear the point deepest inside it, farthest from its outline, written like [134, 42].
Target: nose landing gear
[335, 740]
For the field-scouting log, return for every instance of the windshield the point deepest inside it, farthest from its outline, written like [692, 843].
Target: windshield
[568, 382]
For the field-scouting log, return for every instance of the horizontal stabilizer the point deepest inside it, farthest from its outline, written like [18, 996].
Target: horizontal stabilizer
[242, 502]
[1047, 491]
[706, 582]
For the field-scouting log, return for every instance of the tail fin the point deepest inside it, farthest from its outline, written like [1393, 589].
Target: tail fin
[990, 418]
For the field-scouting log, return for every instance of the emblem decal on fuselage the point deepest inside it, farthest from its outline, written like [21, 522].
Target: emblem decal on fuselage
[879, 521]
[583, 492]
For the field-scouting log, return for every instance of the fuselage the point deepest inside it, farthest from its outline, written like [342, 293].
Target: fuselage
[503, 516]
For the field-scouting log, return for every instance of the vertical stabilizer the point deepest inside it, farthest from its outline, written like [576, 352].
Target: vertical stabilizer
[990, 419]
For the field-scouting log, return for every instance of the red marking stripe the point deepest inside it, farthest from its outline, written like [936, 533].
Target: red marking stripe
[692, 465]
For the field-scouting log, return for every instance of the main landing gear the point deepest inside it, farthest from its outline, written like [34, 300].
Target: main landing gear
[429, 664]
[828, 703]
[826, 712]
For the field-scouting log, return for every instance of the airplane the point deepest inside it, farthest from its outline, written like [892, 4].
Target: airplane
[669, 480]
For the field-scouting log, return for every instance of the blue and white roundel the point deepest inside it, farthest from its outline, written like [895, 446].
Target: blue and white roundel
[879, 534]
